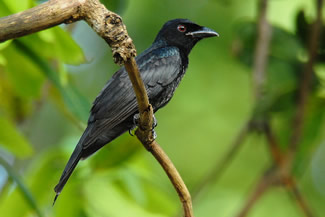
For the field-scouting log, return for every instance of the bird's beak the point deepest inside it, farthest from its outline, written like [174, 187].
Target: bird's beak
[204, 32]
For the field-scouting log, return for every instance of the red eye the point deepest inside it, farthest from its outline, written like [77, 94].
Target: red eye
[181, 28]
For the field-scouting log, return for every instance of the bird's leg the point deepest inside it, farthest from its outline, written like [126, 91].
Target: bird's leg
[136, 121]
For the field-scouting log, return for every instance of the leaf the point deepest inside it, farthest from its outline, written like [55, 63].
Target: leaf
[25, 76]
[75, 101]
[23, 188]
[13, 140]
[66, 48]
[99, 191]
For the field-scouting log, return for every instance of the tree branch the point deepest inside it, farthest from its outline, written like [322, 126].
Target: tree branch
[221, 166]
[267, 180]
[145, 135]
[261, 49]
[304, 89]
[105, 23]
[111, 28]
[282, 165]
[43, 16]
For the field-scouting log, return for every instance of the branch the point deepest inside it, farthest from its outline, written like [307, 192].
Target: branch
[304, 89]
[105, 23]
[110, 27]
[282, 165]
[263, 185]
[43, 16]
[145, 135]
[261, 49]
[221, 166]
[292, 187]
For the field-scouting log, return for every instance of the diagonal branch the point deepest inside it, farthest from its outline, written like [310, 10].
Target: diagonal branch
[262, 186]
[110, 27]
[221, 166]
[282, 166]
[304, 89]
[145, 135]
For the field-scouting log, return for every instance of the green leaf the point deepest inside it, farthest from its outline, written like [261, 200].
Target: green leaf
[98, 191]
[23, 188]
[73, 99]
[12, 140]
[65, 47]
[25, 76]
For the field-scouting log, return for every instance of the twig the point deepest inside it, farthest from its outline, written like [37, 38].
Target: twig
[145, 135]
[304, 89]
[222, 165]
[111, 28]
[277, 155]
[282, 164]
[261, 49]
[23, 188]
[292, 187]
[263, 185]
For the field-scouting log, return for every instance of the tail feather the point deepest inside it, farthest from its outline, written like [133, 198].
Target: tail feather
[71, 165]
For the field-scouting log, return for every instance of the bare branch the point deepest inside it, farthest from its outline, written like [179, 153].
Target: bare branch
[222, 165]
[105, 23]
[304, 89]
[43, 16]
[262, 186]
[145, 135]
[292, 188]
[261, 49]
[282, 165]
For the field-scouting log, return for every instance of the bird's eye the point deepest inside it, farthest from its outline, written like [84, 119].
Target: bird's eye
[181, 28]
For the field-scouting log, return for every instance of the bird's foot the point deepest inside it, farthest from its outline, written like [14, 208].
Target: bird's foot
[136, 120]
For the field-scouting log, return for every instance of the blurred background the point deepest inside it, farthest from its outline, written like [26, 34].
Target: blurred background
[245, 128]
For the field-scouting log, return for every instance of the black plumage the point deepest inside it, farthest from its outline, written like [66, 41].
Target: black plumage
[161, 66]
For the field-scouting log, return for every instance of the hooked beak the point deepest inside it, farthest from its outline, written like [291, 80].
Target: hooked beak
[204, 32]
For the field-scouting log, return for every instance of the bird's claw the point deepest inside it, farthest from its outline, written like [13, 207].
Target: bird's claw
[154, 134]
[136, 120]
[131, 129]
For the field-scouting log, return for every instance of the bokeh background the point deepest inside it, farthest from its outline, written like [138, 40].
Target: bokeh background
[49, 79]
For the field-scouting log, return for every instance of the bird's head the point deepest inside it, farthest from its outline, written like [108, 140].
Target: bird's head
[183, 34]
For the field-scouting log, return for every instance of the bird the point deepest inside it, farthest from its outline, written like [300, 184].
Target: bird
[161, 67]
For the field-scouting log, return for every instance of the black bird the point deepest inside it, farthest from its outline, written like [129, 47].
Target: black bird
[162, 67]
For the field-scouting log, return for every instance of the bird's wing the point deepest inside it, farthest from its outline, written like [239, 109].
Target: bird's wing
[117, 100]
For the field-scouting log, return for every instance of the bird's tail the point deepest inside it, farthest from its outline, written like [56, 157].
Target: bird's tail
[71, 165]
